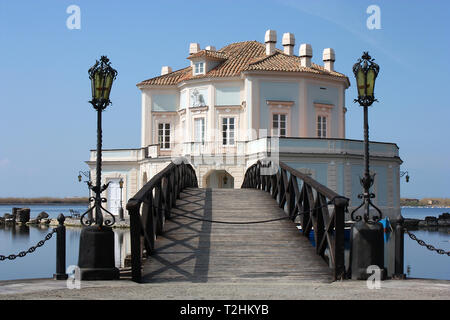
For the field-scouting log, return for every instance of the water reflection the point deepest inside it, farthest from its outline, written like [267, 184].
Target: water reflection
[438, 229]
[21, 231]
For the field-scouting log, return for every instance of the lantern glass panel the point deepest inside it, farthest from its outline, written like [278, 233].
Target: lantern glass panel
[108, 85]
[93, 87]
[370, 82]
[98, 82]
[361, 83]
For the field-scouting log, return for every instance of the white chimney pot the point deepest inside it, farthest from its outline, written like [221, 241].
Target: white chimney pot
[328, 58]
[305, 54]
[270, 39]
[210, 48]
[166, 70]
[288, 43]
[194, 48]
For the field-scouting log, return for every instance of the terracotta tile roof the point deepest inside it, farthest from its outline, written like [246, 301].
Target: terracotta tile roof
[283, 62]
[238, 57]
[215, 55]
[168, 79]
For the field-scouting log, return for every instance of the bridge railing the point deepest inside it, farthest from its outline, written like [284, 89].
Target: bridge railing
[309, 204]
[151, 205]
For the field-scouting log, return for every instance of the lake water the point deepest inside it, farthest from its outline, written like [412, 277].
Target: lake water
[419, 261]
[42, 262]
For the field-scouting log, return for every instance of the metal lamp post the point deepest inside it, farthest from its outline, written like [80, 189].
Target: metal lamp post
[87, 174]
[96, 256]
[121, 206]
[366, 72]
[367, 247]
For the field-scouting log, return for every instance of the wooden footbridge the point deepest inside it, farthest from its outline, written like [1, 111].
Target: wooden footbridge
[180, 232]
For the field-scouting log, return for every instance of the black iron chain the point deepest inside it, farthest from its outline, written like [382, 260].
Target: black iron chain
[428, 246]
[31, 250]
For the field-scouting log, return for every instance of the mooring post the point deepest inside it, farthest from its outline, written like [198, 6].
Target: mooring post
[60, 250]
[399, 249]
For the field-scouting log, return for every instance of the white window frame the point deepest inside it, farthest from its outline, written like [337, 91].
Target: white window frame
[199, 67]
[277, 107]
[277, 131]
[324, 111]
[320, 121]
[164, 134]
[203, 130]
[228, 131]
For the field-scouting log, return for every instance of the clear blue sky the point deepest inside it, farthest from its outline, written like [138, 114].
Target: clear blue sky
[48, 127]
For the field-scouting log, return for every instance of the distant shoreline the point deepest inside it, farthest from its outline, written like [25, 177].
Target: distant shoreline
[427, 207]
[43, 200]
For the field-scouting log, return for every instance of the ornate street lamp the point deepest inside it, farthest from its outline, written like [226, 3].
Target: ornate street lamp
[96, 256]
[102, 76]
[366, 72]
[367, 236]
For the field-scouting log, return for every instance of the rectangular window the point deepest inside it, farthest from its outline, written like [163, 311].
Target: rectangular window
[228, 131]
[164, 135]
[321, 126]
[279, 125]
[199, 68]
[199, 130]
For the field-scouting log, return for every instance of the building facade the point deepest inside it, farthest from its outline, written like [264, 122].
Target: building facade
[230, 107]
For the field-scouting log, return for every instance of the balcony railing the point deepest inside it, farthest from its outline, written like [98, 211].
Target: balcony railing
[256, 147]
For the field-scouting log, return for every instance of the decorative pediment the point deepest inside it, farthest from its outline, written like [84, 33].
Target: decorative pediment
[199, 108]
[280, 103]
[235, 107]
[324, 106]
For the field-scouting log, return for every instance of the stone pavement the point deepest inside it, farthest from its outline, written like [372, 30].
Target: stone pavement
[185, 290]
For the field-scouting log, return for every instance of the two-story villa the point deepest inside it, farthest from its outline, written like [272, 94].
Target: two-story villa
[230, 107]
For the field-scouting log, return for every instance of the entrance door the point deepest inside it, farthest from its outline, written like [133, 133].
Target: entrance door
[114, 196]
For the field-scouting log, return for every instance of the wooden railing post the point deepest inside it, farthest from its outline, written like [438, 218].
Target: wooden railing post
[340, 204]
[135, 237]
[144, 228]
[311, 204]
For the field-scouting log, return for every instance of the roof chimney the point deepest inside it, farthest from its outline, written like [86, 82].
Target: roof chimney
[166, 70]
[194, 48]
[210, 48]
[328, 59]
[288, 43]
[305, 54]
[270, 39]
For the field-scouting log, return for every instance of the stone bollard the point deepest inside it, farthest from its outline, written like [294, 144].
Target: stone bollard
[367, 249]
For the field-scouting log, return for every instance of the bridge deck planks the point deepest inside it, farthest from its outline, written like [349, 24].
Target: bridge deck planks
[199, 251]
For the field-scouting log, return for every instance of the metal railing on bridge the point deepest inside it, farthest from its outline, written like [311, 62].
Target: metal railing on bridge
[309, 204]
[151, 205]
